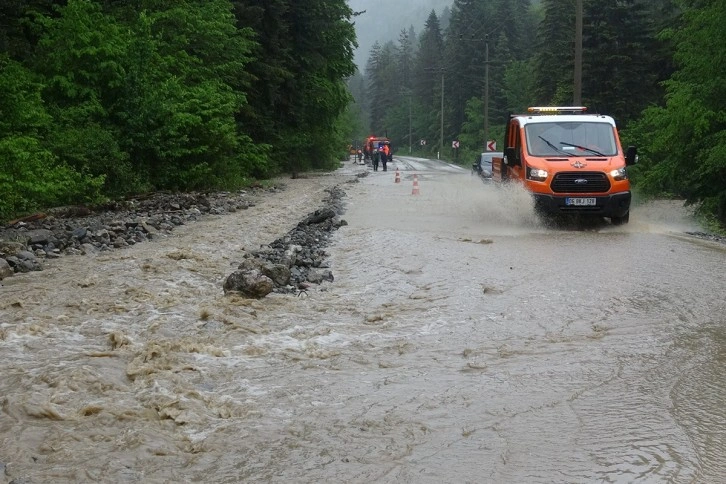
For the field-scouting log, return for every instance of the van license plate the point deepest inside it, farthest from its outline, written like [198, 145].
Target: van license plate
[580, 201]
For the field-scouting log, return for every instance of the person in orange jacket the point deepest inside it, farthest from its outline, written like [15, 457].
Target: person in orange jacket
[386, 151]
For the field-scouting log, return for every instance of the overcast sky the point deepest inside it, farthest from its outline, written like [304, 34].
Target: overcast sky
[384, 20]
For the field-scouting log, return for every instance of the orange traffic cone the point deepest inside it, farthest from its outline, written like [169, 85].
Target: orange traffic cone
[415, 185]
[398, 176]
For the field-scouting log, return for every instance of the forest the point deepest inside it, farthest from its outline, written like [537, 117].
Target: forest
[109, 98]
[657, 66]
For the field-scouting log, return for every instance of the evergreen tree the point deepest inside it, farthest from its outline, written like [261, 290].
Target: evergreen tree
[389, 90]
[308, 51]
[359, 94]
[271, 98]
[429, 61]
[406, 49]
[428, 67]
[514, 19]
[618, 69]
[554, 64]
[465, 54]
[374, 86]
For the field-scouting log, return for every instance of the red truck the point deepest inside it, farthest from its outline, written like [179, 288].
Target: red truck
[371, 144]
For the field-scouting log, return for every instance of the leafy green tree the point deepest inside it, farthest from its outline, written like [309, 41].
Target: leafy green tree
[484, 37]
[186, 91]
[271, 94]
[515, 19]
[80, 54]
[683, 143]
[31, 177]
[398, 117]
[471, 135]
[472, 131]
[17, 36]
[519, 86]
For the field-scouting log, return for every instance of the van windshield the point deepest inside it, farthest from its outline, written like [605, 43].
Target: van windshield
[570, 138]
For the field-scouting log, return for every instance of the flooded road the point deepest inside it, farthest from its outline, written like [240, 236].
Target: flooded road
[461, 341]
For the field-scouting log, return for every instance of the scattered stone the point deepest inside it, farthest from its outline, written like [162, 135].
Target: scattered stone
[115, 225]
[706, 236]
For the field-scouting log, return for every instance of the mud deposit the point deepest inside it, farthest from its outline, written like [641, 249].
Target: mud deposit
[460, 341]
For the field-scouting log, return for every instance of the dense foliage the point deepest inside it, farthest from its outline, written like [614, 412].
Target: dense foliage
[657, 66]
[108, 98]
[683, 141]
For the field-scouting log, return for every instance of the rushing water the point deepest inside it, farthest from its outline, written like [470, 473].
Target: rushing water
[461, 341]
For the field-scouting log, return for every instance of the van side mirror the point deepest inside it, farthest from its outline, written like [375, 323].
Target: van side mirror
[510, 156]
[631, 155]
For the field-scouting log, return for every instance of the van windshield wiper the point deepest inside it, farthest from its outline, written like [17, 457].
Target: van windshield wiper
[584, 148]
[551, 145]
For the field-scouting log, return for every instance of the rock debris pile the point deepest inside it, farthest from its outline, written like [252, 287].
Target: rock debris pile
[287, 265]
[26, 243]
[292, 262]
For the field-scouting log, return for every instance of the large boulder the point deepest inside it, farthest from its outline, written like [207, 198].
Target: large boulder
[11, 247]
[249, 282]
[40, 237]
[24, 261]
[319, 216]
[279, 273]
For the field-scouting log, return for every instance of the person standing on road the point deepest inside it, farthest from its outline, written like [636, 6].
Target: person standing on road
[384, 156]
[376, 158]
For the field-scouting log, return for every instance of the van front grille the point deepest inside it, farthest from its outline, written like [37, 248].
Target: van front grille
[580, 182]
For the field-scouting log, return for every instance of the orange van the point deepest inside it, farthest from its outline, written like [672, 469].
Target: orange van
[571, 162]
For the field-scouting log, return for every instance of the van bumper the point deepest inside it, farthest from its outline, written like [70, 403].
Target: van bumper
[613, 205]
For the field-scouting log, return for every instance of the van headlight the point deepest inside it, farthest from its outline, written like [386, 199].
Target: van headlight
[536, 174]
[619, 174]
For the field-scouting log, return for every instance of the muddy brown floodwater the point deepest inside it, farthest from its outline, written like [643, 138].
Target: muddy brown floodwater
[461, 341]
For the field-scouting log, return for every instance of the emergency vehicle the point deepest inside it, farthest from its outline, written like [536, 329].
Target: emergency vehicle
[571, 162]
[371, 144]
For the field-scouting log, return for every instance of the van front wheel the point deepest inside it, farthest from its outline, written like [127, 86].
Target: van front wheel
[620, 220]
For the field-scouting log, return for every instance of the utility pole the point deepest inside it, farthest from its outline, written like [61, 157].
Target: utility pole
[442, 71]
[577, 88]
[486, 91]
[486, 87]
[441, 147]
[410, 146]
